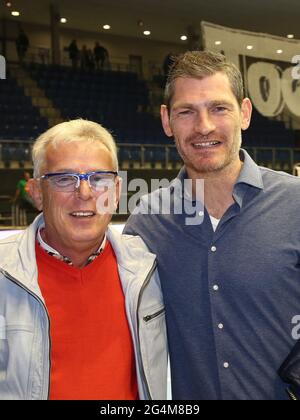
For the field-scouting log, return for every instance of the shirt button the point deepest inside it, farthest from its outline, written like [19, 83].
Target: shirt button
[220, 326]
[213, 248]
[216, 287]
[226, 365]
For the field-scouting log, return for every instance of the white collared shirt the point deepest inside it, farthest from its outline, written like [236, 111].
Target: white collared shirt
[54, 253]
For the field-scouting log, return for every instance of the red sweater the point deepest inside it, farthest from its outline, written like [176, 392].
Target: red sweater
[92, 354]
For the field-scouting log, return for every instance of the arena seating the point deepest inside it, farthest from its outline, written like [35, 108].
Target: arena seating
[20, 120]
[116, 99]
[265, 132]
[119, 101]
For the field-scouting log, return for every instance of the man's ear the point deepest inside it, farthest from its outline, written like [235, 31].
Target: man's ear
[246, 113]
[35, 192]
[165, 119]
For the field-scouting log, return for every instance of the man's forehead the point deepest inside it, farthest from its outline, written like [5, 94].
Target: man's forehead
[71, 145]
[212, 88]
[70, 150]
[77, 156]
[215, 80]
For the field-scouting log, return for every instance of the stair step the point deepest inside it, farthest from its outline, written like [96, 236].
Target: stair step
[49, 112]
[37, 96]
[33, 92]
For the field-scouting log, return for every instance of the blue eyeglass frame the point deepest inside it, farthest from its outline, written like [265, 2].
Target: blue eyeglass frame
[80, 177]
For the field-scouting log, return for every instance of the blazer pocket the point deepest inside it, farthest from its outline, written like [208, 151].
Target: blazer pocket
[153, 315]
[4, 352]
[154, 350]
[15, 349]
[4, 356]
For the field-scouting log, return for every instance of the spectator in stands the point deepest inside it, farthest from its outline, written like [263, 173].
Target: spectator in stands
[230, 275]
[74, 53]
[101, 56]
[22, 44]
[76, 298]
[22, 196]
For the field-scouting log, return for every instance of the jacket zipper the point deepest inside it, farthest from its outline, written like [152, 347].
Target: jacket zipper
[145, 284]
[9, 277]
[150, 317]
[292, 395]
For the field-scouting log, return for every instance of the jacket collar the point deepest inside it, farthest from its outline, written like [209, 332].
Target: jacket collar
[131, 252]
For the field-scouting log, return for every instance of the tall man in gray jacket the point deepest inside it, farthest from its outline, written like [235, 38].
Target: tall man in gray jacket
[81, 310]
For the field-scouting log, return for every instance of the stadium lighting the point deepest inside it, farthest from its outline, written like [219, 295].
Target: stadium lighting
[63, 20]
[218, 42]
[183, 37]
[15, 13]
[147, 33]
[290, 36]
[106, 27]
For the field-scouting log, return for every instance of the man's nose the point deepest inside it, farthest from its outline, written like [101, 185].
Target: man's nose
[84, 191]
[204, 123]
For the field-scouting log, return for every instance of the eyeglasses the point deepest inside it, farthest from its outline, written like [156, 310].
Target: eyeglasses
[98, 181]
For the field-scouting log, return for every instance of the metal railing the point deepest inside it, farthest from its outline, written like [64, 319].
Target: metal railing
[277, 158]
[42, 55]
[11, 214]
[19, 216]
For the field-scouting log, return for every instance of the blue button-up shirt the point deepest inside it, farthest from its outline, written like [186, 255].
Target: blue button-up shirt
[232, 296]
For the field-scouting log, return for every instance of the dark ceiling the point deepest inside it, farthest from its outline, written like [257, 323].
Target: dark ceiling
[166, 19]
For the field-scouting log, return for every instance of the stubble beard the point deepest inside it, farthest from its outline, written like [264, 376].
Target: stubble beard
[209, 168]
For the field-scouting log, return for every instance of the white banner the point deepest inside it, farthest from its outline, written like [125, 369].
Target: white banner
[270, 65]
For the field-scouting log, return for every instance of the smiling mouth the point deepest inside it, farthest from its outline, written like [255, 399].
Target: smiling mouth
[206, 144]
[82, 214]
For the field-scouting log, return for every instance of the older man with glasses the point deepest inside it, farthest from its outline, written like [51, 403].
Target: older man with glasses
[81, 310]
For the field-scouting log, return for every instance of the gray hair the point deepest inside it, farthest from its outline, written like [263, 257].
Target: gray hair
[74, 131]
[200, 64]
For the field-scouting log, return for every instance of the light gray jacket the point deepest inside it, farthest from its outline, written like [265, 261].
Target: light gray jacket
[25, 342]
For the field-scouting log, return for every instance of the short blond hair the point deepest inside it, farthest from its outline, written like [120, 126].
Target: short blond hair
[74, 131]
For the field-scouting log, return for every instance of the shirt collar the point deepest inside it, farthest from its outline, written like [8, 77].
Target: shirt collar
[53, 252]
[250, 175]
